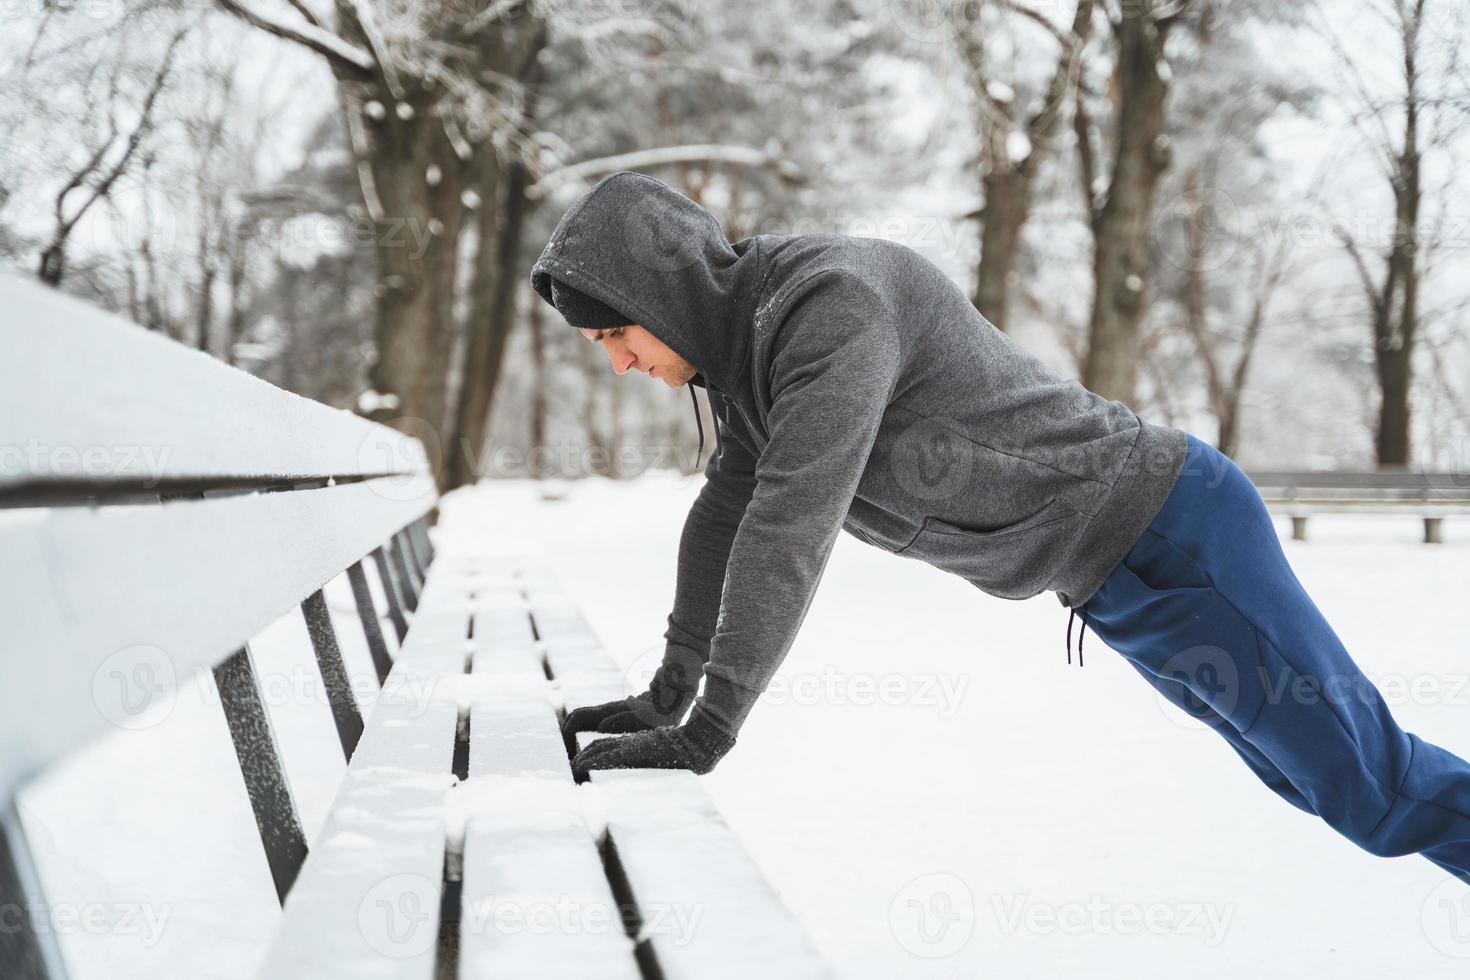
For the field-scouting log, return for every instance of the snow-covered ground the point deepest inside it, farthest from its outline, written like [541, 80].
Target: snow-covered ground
[929, 785]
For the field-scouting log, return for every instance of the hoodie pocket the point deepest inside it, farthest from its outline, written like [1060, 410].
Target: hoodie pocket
[1013, 562]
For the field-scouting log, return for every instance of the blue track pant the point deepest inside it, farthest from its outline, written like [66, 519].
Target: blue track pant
[1206, 607]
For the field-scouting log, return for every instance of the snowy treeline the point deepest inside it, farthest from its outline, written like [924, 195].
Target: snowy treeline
[1242, 218]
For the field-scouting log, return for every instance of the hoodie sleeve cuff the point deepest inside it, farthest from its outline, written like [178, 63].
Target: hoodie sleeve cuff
[705, 735]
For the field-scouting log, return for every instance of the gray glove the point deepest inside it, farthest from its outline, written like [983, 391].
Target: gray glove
[697, 746]
[673, 689]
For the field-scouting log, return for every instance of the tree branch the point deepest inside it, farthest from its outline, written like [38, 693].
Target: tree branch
[306, 13]
[662, 156]
[1374, 298]
[343, 55]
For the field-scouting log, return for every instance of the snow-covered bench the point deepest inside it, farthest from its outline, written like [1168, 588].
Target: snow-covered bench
[161, 509]
[1430, 496]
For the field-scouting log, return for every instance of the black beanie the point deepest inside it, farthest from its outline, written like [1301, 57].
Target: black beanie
[582, 311]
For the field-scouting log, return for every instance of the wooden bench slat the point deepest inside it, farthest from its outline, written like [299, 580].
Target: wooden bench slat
[536, 901]
[517, 737]
[367, 903]
[123, 603]
[171, 413]
[709, 912]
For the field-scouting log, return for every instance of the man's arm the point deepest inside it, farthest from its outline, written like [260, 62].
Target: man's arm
[704, 551]
[837, 360]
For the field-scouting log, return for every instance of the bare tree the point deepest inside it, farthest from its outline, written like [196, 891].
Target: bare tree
[109, 159]
[1395, 130]
[493, 286]
[1015, 142]
[1121, 211]
[426, 95]
[1215, 263]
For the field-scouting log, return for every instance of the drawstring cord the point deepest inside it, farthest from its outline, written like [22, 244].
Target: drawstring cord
[1080, 635]
[700, 454]
[700, 424]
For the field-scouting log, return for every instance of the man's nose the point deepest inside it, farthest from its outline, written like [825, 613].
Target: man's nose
[621, 360]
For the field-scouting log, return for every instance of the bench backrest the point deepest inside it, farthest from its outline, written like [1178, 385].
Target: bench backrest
[158, 508]
[1387, 484]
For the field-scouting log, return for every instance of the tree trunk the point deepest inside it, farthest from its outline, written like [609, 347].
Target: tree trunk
[1397, 317]
[1006, 185]
[1121, 227]
[492, 306]
[1007, 201]
[417, 226]
[504, 209]
[235, 322]
[536, 321]
[53, 264]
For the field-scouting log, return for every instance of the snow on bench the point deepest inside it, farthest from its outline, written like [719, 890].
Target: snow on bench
[154, 527]
[158, 509]
[507, 867]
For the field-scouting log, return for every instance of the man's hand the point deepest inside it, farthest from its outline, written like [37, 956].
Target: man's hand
[673, 689]
[697, 746]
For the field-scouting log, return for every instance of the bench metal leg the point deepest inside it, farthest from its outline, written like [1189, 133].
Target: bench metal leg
[368, 616]
[1432, 531]
[418, 536]
[426, 545]
[392, 591]
[410, 593]
[410, 561]
[1298, 528]
[334, 673]
[415, 556]
[260, 763]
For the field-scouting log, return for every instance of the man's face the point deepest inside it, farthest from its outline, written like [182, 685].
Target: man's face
[633, 347]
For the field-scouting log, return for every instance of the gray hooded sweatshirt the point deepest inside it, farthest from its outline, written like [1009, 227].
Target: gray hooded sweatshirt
[856, 388]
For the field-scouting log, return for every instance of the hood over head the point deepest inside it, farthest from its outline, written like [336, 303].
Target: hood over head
[634, 244]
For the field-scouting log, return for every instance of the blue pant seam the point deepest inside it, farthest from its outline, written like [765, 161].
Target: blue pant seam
[1392, 790]
[1262, 634]
[1396, 791]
